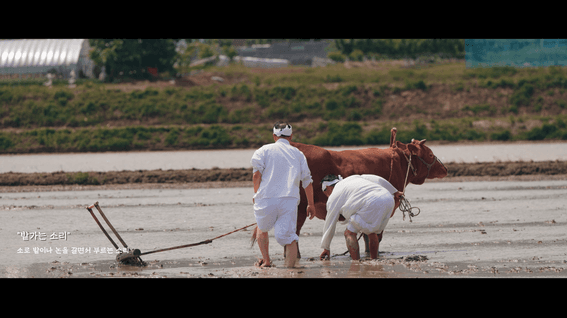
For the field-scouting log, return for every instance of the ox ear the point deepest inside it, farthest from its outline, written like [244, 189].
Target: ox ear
[413, 149]
[422, 142]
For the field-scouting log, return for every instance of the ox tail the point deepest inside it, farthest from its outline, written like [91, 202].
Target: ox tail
[253, 238]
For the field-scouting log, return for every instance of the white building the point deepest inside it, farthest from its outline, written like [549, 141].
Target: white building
[28, 57]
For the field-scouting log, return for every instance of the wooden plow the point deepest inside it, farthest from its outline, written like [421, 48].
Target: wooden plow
[129, 256]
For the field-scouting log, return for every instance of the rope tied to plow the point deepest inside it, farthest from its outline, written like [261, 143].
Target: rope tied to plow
[199, 243]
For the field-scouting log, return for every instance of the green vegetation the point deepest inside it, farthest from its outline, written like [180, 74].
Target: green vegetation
[400, 48]
[129, 58]
[118, 139]
[329, 106]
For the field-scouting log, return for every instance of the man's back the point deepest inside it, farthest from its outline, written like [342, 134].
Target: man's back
[351, 194]
[282, 167]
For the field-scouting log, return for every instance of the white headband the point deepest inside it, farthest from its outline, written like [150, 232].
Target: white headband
[283, 131]
[330, 183]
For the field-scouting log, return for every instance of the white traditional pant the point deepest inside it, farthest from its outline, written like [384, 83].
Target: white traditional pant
[280, 214]
[374, 215]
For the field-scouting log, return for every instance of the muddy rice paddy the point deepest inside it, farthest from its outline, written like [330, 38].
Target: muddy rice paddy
[499, 218]
[466, 229]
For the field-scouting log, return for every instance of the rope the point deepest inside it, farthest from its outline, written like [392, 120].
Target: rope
[407, 173]
[242, 228]
[406, 207]
[199, 243]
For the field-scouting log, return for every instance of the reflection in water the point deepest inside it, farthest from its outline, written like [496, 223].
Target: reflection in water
[365, 270]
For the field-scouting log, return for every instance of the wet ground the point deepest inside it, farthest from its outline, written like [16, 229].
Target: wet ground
[240, 158]
[470, 229]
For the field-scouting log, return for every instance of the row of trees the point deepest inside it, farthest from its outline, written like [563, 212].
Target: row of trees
[132, 57]
[402, 48]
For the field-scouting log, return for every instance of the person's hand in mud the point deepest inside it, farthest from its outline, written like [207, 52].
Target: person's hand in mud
[326, 255]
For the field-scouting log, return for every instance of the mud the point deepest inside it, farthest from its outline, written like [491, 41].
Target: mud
[239, 175]
[496, 229]
[126, 177]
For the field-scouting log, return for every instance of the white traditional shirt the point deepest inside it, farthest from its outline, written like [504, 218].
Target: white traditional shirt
[282, 167]
[348, 197]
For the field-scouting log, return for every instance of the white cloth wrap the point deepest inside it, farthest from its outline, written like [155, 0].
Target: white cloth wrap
[330, 183]
[283, 131]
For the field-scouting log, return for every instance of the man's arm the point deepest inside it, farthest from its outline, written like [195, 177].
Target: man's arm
[310, 201]
[258, 165]
[257, 179]
[397, 200]
[333, 211]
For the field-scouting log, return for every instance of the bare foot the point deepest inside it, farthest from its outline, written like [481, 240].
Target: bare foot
[262, 263]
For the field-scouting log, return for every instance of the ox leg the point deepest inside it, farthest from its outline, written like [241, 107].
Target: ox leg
[366, 244]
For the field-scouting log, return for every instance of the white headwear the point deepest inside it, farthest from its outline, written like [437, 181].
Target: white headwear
[283, 131]
[330, 183]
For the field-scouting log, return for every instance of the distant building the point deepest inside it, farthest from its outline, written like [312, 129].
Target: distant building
[297, 53]
[33, 58]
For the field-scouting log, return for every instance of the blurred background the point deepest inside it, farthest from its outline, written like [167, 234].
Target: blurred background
[92, 95]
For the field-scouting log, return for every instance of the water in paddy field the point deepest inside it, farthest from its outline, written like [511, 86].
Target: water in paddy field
[470, 229]
[240, 158]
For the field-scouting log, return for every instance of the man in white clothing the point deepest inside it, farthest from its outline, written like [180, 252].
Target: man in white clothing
[277, 170]
[366, 202]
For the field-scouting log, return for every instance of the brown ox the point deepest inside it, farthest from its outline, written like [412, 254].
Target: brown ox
[391, 164]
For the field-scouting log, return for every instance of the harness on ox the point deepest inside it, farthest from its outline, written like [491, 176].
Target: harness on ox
[405, 206]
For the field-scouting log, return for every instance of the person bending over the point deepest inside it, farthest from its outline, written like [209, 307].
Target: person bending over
[366, 202]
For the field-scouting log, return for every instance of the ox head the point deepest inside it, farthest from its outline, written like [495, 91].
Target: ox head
[425, 163]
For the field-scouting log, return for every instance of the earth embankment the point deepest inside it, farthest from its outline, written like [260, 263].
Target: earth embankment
[231, 177]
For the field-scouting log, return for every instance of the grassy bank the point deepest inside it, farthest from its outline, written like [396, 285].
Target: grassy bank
[353, 104]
